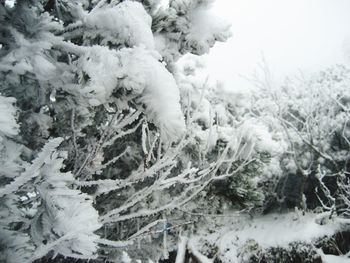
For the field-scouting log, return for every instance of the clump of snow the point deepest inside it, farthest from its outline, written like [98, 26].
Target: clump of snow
[221, 114]
[69, 214]
[203, 113]
[29, 56]
[43, 68]
[257, 133]
[205, 30]
[188, 26]
[128, 22]
[10, 161]
[102, 68]
[139, 71]
[8, 123]
[168, 46]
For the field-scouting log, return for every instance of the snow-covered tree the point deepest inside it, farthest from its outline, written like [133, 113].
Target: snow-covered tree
[94, 158]
[312, 113]
[222, 120]
[303, 128]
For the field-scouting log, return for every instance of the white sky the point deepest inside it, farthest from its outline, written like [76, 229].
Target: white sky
[293, 35]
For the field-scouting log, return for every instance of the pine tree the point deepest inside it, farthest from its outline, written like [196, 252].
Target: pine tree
[93, 157]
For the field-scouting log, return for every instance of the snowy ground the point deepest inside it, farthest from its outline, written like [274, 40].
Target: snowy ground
[275, 230]
[335, 259]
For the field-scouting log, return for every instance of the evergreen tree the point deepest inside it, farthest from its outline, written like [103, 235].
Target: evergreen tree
[95, 154]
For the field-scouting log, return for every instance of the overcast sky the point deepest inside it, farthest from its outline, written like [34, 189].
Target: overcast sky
[293, 35]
